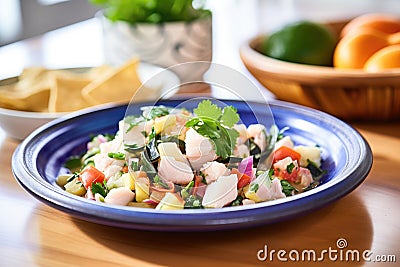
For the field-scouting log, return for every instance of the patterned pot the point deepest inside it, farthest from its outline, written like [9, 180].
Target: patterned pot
[164, 44]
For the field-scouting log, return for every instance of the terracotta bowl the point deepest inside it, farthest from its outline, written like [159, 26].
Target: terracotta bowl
[348, 94]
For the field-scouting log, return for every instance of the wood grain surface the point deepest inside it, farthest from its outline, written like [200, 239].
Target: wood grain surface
[33, 234]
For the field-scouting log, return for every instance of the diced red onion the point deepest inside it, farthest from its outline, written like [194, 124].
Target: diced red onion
[150, 202]
[246, 166]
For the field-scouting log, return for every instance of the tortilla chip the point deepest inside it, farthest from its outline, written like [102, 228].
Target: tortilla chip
[66, 95]
[37, 100]
[44, 90]
[119, 85]
[96, 72]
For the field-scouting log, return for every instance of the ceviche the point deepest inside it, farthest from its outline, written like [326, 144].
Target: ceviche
[172, 158]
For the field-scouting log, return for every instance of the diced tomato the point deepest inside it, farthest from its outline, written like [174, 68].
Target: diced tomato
[197, 182]
[284, 152]
[91, 175]
[283, 174]
[125, 169]
[244, 179]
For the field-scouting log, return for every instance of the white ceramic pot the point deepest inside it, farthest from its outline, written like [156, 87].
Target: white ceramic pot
[164, 44]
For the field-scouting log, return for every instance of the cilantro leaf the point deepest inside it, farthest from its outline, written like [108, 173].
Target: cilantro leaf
[233, 135]
[207, 109]
[216, 124]
[100, 188]
[229, 116]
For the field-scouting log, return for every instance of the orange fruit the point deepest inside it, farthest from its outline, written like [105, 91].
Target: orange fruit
[385, 23]
[386, 58]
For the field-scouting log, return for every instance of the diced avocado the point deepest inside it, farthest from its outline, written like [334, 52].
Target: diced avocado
[164, 122]
[75, 187]
[171, 201]
[142, 188]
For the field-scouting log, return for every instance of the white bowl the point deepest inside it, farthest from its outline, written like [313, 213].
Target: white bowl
[19, 124]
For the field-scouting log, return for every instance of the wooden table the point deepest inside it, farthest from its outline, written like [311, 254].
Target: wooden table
[33, 234]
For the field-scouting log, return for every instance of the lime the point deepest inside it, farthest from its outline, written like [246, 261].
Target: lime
[303, 42]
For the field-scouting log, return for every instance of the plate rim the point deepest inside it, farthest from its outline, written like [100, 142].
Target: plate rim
[209, 218]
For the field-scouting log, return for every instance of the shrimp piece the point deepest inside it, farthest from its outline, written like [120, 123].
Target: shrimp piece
[241, 128]
[199, 149]
[258, 132]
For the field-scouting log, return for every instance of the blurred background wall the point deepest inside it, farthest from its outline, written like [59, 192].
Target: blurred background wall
[21, 19]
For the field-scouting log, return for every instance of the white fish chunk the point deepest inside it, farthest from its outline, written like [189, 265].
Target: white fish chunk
[274, 191]
[213, 170]
[175, 171]
[112, 170]
[119, 196]
[221, 192]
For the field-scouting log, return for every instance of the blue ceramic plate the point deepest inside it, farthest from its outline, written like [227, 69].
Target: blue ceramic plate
[346, 156]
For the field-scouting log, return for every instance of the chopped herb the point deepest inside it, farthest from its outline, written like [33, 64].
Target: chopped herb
[193, 202]
[316, 172]
[281, 133]
[255, 151]
[185, 192]
[290, 167]
[89, 155]
[72, 177]
[135, 165]
[155, 112]
[152, 134]
[117, 155]
[271, 173]
[287, 188]
[100, 188]
[254, 188]
[144, 133]
[157, 180]
[73, 163]
[133, 121]
[109, 137]
[238, 201]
